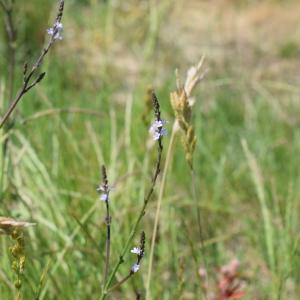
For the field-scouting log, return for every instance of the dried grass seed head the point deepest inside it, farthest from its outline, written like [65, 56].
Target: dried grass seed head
[182, 104]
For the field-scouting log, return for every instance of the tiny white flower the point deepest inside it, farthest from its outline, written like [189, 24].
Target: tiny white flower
[135, 268]
[59, 25]
[157, 130]
[136, 250]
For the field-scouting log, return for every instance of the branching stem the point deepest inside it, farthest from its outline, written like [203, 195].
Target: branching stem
[106, 289]
[28, 83]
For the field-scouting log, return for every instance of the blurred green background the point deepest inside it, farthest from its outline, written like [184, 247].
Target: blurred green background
[88, 111]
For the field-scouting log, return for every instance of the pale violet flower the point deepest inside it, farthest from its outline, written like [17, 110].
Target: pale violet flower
[157, 129]
[104, 192]
[56, 31]
[136, 251]
[104, 197]
[135, 268]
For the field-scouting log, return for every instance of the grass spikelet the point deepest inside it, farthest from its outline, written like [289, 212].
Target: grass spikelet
[182, 104]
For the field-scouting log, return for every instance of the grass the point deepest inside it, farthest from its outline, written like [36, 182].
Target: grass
[246, 159]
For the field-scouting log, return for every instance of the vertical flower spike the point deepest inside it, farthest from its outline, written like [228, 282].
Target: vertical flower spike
[32, 76]
[104, 188]
[140, 252]
[156, 106]
[157, 129]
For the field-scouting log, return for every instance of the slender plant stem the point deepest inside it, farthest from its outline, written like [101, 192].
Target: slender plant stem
[160, 195]
[107, 240]
[140, 256]
[134, 229]
[12, 106]
[104, 190]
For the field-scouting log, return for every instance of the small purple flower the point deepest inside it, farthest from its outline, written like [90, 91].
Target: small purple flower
[104, 197]
[56, 31]
[135, 267]
[104, 192]
[157, 129]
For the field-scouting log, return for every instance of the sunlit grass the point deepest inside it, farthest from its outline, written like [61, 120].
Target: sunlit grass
[246, 121]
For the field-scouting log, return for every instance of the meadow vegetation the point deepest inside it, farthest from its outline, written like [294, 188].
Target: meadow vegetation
[224, 210]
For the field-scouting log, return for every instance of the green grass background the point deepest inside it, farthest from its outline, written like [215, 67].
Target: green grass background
[112, 52]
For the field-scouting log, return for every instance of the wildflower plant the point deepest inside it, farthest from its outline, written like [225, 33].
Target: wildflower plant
[104, 189]
[158, 133]
[11, 34]
[140, 252]
[32, 76]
